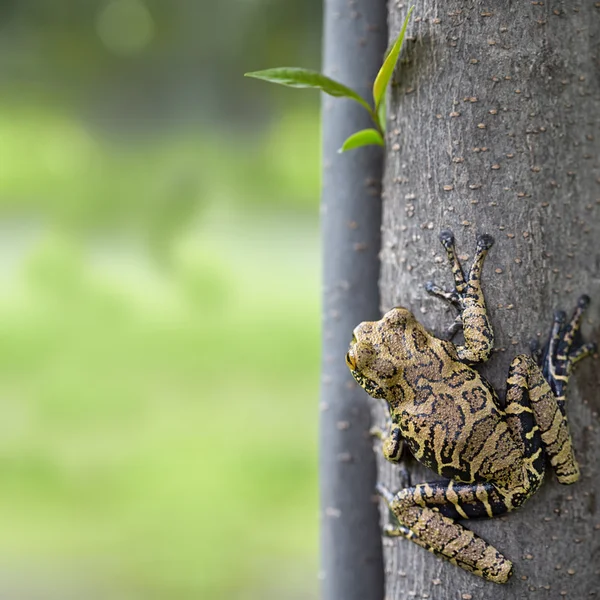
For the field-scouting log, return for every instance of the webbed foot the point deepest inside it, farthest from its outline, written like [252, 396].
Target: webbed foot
[467, 297]
[564, 348]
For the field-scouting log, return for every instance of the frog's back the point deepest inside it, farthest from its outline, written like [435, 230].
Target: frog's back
[453, 424]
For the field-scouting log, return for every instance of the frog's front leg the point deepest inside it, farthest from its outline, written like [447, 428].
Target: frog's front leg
[393, 449]
[426, 515]
[393, 445]
[468, 297]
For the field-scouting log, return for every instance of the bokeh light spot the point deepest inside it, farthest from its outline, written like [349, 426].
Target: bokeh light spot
[125, 26]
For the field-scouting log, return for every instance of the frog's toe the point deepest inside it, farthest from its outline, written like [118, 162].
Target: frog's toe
[583, 301]
[535, 350]
[560, 316]
[446, 238]
[404, 473]
[436, 290]
[588, 349]
[582, 351]
[565, 347]
[384, 492]
[485, 241]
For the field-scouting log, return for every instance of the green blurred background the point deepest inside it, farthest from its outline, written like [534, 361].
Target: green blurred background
[159, 313]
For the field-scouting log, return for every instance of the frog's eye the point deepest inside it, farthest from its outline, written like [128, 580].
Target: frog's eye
[351, 361]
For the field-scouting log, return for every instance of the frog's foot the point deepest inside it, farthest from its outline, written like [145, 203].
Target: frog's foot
[461, 284]
[537, 419]
[385, 493]
[452, 296]
[564, 348]
[393, 444]
[443, 536]
[393, 449]
[467, 296]
[449, 296]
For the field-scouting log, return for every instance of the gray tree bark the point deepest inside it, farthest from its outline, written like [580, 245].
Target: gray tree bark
[355, 39]
[494, 128]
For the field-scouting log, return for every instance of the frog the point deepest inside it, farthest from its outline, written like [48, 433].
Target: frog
[491, 455]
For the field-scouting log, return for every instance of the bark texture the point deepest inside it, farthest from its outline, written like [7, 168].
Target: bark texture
[351, 557]
[494, 128]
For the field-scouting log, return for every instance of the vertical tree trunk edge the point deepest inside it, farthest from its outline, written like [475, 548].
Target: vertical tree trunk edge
[355, 39]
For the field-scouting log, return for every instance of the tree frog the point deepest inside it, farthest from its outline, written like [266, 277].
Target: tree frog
[492, 457]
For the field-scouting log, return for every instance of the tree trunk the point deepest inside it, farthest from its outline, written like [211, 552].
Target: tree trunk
[493, 127]
[351, 557]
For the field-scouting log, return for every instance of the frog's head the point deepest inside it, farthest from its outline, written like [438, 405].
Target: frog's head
[380, 349]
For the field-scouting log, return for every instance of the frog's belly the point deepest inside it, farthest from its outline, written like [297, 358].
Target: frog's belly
[459, 441]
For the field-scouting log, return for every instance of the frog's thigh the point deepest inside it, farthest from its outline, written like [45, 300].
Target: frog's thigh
[528, 394]
[444, 537]
[454, 500]
[520, 417]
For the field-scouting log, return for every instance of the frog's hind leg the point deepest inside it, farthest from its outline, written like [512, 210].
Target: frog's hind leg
[468, 297]
[536, 419]
[564, 349]
[536, 397]
[443, 536]
[454, 500]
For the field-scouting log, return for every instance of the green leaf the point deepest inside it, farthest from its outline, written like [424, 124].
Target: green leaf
[385, 73]
[364, 137]
[305, 78]
[381, 115]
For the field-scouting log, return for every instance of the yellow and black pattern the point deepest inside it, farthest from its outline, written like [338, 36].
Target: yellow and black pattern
[564, 349]
[444, 537]
[393, 444]
[529, 396]
[468, 297]
[492, 458]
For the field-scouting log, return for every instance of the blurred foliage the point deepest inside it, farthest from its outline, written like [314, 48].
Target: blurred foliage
[184, 62]
[52, 165]
[159, 301]
[158, 432]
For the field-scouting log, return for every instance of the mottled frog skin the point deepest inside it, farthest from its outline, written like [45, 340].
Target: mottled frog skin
[492, 457]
